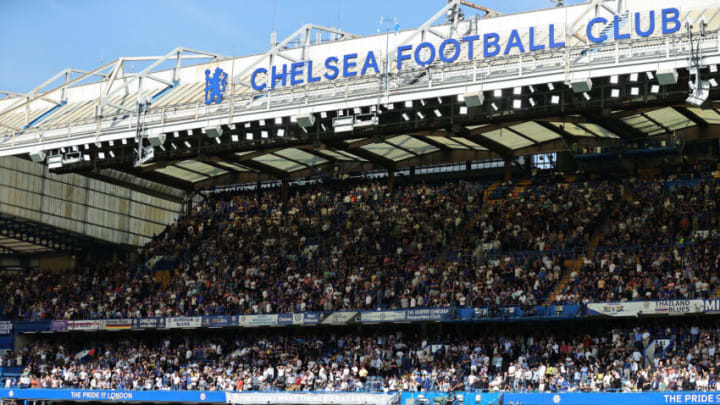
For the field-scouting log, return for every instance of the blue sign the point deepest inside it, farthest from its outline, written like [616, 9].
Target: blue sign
[113, 396]
[215, 86]
[148, 323]
[448, 51]
[217, 321]
[601, 398]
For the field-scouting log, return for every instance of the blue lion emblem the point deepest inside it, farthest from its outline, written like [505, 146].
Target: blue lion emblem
[215, 86]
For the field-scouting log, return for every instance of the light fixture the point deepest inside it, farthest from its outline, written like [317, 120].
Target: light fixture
[713, 82]
[176, 134]
[281, 132]
[101, 155]
[234, 138]
[323, 114]
[531, 101]
[86, 157]
[405, 117]
[187, 144]
[614, 79]
[665, 77]
[439, 99]
[437, 113]
[650, 75]
[713, 69]
[264, 134]
[172, 145]
[112, 154]
[306, 121]
[615, 93]
[699, 96]
[156, 139]
[214, 132]
[422, 102]
[37, 156]
[655, 88]
[124, 141]
[343, 124]
[517, 91]
[633, 77]
[581, 85]
[249, 136]
[408, 104]
[555, 99]
[474, 99]
[497, 93]
[586, 96]
[278, 120]
[217, 140]
[357, 110]
[635, 91]
[87, 146]
[460, 98]
[531, 88]
[111, 143]
[494, 106]
[247, 125]
[551, 86]
[463, 110]
[517, 104]
[390, 106]
[262, 123]
[420, 115]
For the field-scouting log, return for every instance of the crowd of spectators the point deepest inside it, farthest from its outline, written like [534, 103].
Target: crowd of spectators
[620, 359]
[360, 246]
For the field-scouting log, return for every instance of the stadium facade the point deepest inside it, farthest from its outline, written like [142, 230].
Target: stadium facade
[93, 160]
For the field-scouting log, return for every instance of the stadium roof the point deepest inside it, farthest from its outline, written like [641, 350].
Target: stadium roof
[416, 116]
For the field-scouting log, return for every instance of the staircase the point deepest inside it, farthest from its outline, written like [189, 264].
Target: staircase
[490, 190]
[576, 264]
[521, 186]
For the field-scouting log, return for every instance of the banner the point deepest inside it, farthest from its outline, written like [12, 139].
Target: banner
[310, 398]
[74, 395]
[711, 306]
[148, 323]
[58, 326]
[637, 308]
[306, 318]
[219, 321]
[258, 320]
[407, 315]
[183, 322]
[6, 327]
[341, 318]
[86, 325]
[118, 324]
[604, 398]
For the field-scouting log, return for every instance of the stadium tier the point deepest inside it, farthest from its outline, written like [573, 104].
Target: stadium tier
[486, 210]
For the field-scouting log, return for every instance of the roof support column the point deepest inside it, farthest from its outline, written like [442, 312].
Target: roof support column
[508, 168]
[391, 180]
[285, 193]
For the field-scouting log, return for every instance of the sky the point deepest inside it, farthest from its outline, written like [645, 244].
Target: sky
[39, 38]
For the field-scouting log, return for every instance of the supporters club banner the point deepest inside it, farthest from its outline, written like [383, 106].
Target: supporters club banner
[148, 323]
[58, 326]
[637, 308]
[258, 320]
[219, 321]
[113, 396]
[118, 324]
[6, 327]
[644, 398]
[183, 322]
[407, 315]
[341, 318]
[86, 325]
